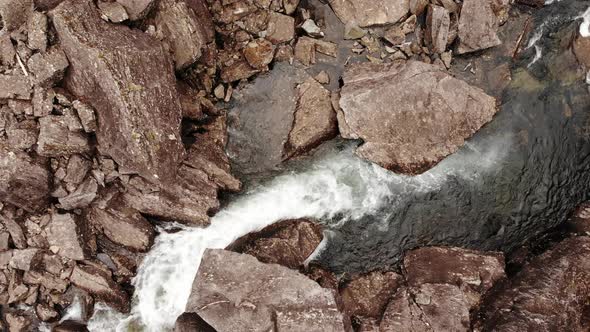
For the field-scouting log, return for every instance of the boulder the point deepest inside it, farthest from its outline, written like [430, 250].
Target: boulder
[280, 29]
[259, 53]
[478, 26]
[77, 168]
[56, 139]
[191, 322]
[269, 296]
[410, 115]
[24, 182]
[123, 225]
[288, 243]
[472, 271]
[48, 68]
[367, 13]
[186, 31]
[98, 283]
[80, 198]
[113, 11]
[69, 235]
[122, 73]
[315, 120]
[366, 296]
[549, 294]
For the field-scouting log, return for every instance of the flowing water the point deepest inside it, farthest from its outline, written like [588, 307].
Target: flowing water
[519, 175]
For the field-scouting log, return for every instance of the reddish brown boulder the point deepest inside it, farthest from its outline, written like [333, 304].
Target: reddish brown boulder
[549, 294]
[367, 296]
[269, 296]
[410, 115]
[123, 72]
[478, 26]
[24, 181]
[288, 243]
[366, 13]
[99, 283]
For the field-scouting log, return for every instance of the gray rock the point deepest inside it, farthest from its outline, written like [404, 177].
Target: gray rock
[140, 78]
[84, 194]
[69, 235]
[48, 68]
[42, 101]
[478, 26]
[26, 259]
[37, 31]
[24, 182]
[370, 12]
[77, 169]
[410, 115]
[86, 115]
[98, 283]
[279, 296]
[7, 52]
[55, 138]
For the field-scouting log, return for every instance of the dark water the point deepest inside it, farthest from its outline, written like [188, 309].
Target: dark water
[540, 143]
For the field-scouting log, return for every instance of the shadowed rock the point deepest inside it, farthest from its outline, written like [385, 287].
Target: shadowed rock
[410, 115]
[99, 283]
[268, 295]
[127, 77]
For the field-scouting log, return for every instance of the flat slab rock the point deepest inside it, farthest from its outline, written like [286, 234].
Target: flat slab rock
[128, 78]
[410, 115]
[236, 292]
[366, 13]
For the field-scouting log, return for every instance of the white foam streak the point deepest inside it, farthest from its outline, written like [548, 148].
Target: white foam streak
[585, 25]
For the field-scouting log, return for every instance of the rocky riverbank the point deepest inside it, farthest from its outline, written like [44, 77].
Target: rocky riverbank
[117, 117]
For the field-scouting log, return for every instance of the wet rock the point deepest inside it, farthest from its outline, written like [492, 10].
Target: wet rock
[548, 294]
[187, 32]
[15, 13]
[281, 297]
[280, 29]
[55, 138]
[113, 11]
[288, 243]
[259, 53]
[534, 3]
[82, 299]
[369, 12]
[430, 307]
[438, 22]
[368, 295]
[37, 31]
[100, 285]
[26, 259]
[15, 86]
[315, 119]
[191, 322]
[123, 225]
[24, 182]
[84, 194]
[69, 234]
[433, 115]
[145, 142]
[70, 326]
[472, 271]
[478, 26]
[48, 68]
[137, 9]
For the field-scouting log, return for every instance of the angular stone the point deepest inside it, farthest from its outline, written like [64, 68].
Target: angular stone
[113, 11]
[549, 294]
[14, 228]
[315, 119]
[185, 31]
[22, 135]
[137, 9]
[4, 236]
[24, 182]
[238, 70]
[86, 115]
[26, 259]
[122, 73]
[190, 101]
[15, 86]
[417, 7]
[37, 31]
[123, 225]
[48, 68]
[410, 115]
[7, 52]
[42, 102]
[17, 323]
[191, 322]
[100, 285]
[430, 307]
[45, 312]
[84, 194]
[70, 235]
[259, 53]
[15, 13]
[305, 51]
[368, 295]
[438, 22]
[70, 326]
[281, 28]
[46, 5]
[46, 280]
[5, 257]
[288, 243]
[370, 12]
[279, 296]
[77, 169]
[55, 138]
[581, 48]
[478, 26]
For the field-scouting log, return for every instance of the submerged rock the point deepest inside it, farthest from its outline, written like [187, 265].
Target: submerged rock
[411, 115]
[550, 293]
[268, 296]
[123, 72]
[370, 12]
[288, 243]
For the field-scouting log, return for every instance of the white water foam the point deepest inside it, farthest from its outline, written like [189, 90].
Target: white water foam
[585, 25]
[338, 184]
